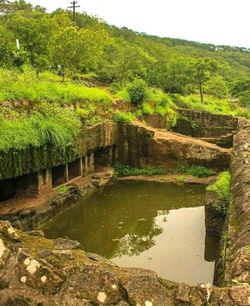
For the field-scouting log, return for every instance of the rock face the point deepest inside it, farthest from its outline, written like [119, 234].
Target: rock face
[215, 213]
[237, 255]
[31, 160]
[204, 124]
[140, 145]
[37, 271]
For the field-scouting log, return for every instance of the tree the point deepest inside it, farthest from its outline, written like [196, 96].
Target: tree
[7, 46]
[217, 87]
[4, 6]
[123, 62]
[35, 31]
[202, 69]
[241, 90]
[79, 49]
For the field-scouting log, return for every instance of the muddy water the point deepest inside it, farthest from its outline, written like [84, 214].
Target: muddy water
[141, 224]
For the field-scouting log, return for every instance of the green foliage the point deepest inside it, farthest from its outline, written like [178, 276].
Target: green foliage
[222, 186]
[180, 179]
[123, 117]
[114, 54]
[137, 91]
[217, 87]
[156, 102]
[124, 170]
[147, 109]
[199, 171]
[211, 104]
[62, 189]
[50, 126]
[241, 90]
[26, 86]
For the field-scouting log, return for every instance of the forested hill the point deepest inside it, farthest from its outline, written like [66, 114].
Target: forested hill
[119, 55]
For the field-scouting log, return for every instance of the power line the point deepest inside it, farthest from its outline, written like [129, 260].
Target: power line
[73, 7]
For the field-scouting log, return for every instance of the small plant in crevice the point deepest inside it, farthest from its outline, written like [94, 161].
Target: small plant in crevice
[180, 179]
[62, 189]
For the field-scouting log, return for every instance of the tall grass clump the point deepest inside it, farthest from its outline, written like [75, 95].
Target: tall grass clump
[51, 125]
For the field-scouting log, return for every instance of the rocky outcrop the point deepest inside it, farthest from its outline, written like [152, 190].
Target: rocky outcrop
[37, 271]
[16, 163]
[237, 256]
[140, 145]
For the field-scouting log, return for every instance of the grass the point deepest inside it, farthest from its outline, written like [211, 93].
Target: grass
[212, 104]
[124, 170]
[51, 125]
[16, 86]
[198, 171]
[50, 118]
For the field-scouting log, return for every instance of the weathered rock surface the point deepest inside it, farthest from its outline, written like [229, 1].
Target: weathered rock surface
[69, 276]
[30, 160]
[215, 213]
[237, 255]
[141, 145]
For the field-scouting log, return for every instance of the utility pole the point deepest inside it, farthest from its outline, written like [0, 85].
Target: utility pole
[74, 6]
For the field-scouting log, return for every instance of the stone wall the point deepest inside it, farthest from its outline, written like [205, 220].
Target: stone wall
[237, 238]
[204, 124]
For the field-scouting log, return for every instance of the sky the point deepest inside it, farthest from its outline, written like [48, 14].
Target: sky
[211, 21]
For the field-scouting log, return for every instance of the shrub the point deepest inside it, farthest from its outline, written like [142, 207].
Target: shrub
[123, 117]
[137, 91]
[147, 109]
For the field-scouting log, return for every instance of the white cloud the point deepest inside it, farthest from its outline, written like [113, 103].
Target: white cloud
[215, 21]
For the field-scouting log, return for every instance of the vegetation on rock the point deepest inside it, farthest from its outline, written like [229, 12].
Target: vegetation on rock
[86, 66]
[222, 186]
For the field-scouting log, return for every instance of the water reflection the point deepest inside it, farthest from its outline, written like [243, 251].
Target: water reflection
[150, 225]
